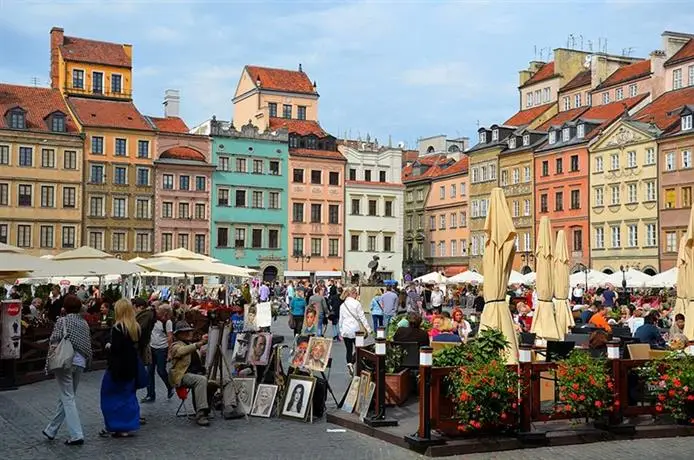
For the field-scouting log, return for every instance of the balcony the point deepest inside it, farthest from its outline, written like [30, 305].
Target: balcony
[87, 90]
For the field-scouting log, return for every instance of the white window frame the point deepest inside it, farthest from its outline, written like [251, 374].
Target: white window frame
[633, 90]
[567, 103]
[619, 94]
[552, 137]
[616, 237]
[686, 156]
[606, 97]
[677, 79]
[581, 131]
[577, 100]
[599, 165]
[631, 159]
[599, 196]
[565, 134]
[526, 139]
[650, 156]
[686, 122]
[599, 237]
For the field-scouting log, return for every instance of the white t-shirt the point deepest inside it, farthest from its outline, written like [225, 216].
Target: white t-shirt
[436, 298]
[159, 337]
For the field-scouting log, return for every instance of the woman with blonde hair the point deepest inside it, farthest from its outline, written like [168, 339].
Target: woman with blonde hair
[352, 320]
[118, 388]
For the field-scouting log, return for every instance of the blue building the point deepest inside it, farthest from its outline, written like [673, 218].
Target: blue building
[249, 197]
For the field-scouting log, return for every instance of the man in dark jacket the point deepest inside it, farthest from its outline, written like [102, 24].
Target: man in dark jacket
[146, 319]
[649, 332]
[54, 304]
[412, 332]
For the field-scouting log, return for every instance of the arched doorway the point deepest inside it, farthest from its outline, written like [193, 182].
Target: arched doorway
[270, 273]
[607, 271]
[525, 270]
[650, 271]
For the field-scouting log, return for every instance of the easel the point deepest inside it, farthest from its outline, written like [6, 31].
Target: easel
[219, 362]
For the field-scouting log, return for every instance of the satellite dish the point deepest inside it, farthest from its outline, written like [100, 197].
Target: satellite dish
[587, 61]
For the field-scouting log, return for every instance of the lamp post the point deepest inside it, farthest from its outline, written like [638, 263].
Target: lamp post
[584, 269]
[624, 270]
[300, 256]
[527, 258]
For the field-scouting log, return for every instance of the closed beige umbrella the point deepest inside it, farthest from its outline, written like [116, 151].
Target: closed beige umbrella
[496, 265]
[688, 278]
[544, 324]
[682, 271]
[564, 318]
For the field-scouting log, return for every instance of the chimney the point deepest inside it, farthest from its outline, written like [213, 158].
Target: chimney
[171, 102]
[657, 58]
[673, 41]
[56, 41]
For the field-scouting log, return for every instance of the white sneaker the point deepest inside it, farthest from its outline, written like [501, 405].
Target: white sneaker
[350, 369]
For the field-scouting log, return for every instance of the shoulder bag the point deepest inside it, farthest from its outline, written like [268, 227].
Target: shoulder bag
[356, 318]
[60, 355]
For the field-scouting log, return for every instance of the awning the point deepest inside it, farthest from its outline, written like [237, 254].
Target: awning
[328, 275]
[295, 274]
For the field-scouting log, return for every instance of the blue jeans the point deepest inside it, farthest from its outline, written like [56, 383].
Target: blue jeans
[67, 381]
[159, 356]
[378, 321]
[386, 321]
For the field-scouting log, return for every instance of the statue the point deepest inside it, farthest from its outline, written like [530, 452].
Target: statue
[373, 265]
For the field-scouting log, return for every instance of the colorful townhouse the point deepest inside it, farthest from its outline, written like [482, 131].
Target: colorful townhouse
[447, 212]
[374, 198]
[40, 171]
[95, 78]
[183, 182]
[276, 99]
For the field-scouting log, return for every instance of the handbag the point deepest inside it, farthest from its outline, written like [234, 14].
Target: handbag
[142, 375]
[60, 355]
[362, 329]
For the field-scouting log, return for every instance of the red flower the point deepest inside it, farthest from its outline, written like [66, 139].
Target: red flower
[575, 386]
[676, 382]
[582, 397]
[616, 403]
[671, 393]
[664, 377]
[514, 405]
[598, 404]
[573, 396]
[661, 397]
[658, 407]
[610, 385]
[567, 408]
[503, 416]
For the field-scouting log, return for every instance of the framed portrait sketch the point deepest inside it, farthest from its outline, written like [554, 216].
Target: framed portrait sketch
[318, 353]
[366, 403]
[264, 400]
[243, 340]
[300, 347]
[250, 318]
[364, 380]
[259, 350]
[352, 395]
[310, 326]
[245, 390]
[298, 397]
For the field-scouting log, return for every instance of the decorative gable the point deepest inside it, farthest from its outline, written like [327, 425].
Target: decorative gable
[620, 135]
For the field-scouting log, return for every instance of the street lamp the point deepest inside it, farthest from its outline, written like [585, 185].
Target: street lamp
[584, 269]
[624, 270]
[527, 258]
[300, 256]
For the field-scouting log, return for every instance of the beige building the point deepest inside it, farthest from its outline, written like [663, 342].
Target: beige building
[40, 171]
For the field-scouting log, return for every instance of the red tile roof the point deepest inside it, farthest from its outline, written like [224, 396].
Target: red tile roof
[686, 53]
[460, 166]
[608, 113]
[432, 162]
[323, 154]
[627, 73]
[95, 52]
[38, 104]
[170, 125]
[664, 111]
[108, 114]
[544, 73]
[292, 81]
[300, 127]
[525, 117]
[182, 153]
[562, 117]
[579, 81]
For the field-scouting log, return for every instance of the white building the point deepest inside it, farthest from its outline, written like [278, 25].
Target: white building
[441, 145]
[373, 208]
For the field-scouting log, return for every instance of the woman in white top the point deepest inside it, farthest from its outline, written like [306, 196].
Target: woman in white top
[351, 315]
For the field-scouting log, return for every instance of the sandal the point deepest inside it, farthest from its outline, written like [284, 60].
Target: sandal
[104, 434]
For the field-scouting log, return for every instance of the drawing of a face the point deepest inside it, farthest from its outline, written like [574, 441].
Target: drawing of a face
[259, 347]
[299, 353]
[318, 351]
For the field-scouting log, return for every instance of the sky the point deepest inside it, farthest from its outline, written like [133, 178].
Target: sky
[404, 69]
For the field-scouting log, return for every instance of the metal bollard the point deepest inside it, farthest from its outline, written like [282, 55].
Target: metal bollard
[379, 419]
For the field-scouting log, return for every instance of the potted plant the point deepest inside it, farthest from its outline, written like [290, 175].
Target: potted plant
[671, 382]
[397, 379]
[584, 386]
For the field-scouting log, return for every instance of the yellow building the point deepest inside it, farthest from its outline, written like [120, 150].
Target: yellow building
[95, 79]
[40, 171]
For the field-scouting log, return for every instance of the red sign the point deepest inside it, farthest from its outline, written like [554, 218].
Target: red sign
[13, 308]
[64, 282]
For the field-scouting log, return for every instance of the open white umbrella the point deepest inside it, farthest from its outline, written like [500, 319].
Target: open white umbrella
[666, 279]
[14, 259]
[432, 278]
[544, 322]
[595, 279]
[466, 277]
[184, 254]
[530, 278]
[86, 261]
[515, 278]
[634, 278]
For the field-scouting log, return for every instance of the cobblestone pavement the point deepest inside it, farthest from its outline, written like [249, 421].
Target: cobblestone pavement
[24, 413]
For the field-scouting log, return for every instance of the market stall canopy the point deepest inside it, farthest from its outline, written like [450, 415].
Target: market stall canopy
[595, 279]
[466, 277]
[85, 261]
[192, 267]
[515, 278]
[15, 260]
[635, 278]
[184, 254]
[432, 278]
[666, 279]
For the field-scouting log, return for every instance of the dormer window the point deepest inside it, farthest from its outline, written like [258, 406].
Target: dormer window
[57, 123]
[483, 137]
[512, 143]
[687, 122]
[16, 118]
[565, 135]
[495, 135]
[581, 131]
[526, 139]
[552, 137]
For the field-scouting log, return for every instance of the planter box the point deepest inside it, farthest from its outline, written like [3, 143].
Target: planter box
[397, 387]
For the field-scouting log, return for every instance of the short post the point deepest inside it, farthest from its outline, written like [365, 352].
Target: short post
[423, 437]
[381, 332]
[525, 359]
[379, 418]
[615, 417]
[690, 348]
[358, 343]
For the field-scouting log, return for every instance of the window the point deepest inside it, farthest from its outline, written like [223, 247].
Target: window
[167, 181]
[650, 156]
[96, 206]
[47, 196]
[599, 238]
[504, 178]
[432, 222]
[120, 175]
[543, 203]
[475, 246]
[690, 70]
[677, 79]
[241, 165]
[616, 237]
[240, 199]
[223, 197]
[24, 195]
[526, 140]
[671, 242]
[670, 198]
[58, 123]
[48, 158]
[142, 149]
[222, 237]
[333, 246]
[354, 243]
[545, 168]
[24, 236]
[333, 214]
[272, 108]
[26, 156]
[567, 102]
[526, 174]
[371, 243]
[631, 193]
[46, 236]
[69, 197]
[4, 155]
[224, 163]
[632, 90]
[575, 199]
[200, 183]
[651, 235]
[516, 208]
[538, 97]
[274, 200]
[574, 163]
[605, 98]
[119, 208]
[526, 207]
[273, 237]
[240, 238]
[352, 174]
[581, 131]
[599, 196]
[367, 175]
[483, 137]
[142, 242]
[316, 176]
[515, 177]
[17, 119]
[78, 79]
[96, 240]
[257, 238]
[619, 94]
[97, 82]
[121, 149]
[686, 159]
[670, 161]
[559, 201]
[4, 194]
[200, 244]
[286, 111]
[529, 99]
[97, 145]
[559, 166]
[316, 213]
[167, 210]
[183, 182]
[565, 134]
[301, 112]
[373, 207]
[598, 164]
[512, 142]
[495, 135]
[257, 166]
[68, 237]
[116, 83]
[577, 100]
[142, 206]
[334, 178]
[118, 241]
[200, 211]
[686, 197]
[631, 159]
[257, 199]
[552, 137]
[614, 161]
[355, 207]
[615, 195]
[297, 212]
[3, 233]
[633, 232]
[442, 222]
[298, 176]
[442, 248]
[142, 176]
[69, 159]
[650, 191]
[96, 174]
[274, 168]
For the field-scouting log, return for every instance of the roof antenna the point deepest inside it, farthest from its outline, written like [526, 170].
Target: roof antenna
[300, 69]
[35, 81]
